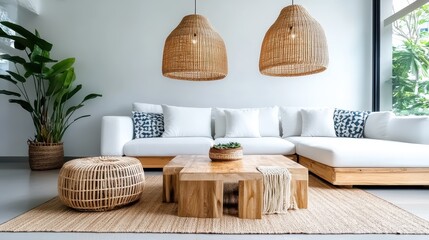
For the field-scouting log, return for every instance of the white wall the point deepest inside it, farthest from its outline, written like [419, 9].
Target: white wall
[118, 46]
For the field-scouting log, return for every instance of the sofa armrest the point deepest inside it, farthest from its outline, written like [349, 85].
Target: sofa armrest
[115, 132]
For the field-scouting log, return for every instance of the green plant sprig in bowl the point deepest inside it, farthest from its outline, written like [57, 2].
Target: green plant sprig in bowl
[230, 145]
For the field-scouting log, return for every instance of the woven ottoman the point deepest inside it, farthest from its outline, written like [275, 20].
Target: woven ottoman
[100, 183]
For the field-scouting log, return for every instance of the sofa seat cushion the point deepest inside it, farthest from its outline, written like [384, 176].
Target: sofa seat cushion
[362, 152]
[167, 146]
[262, 145]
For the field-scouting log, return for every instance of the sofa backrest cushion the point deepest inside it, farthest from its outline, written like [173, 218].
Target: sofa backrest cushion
[318, 122]
[242, 123]
[147, 107]
[291, 121]
[186, 122]
[376, 125]
[409, 129]
[268, 121]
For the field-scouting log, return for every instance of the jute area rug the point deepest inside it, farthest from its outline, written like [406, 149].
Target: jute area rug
[331, 211]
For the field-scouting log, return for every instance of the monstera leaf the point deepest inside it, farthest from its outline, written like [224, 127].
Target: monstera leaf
[43, 85]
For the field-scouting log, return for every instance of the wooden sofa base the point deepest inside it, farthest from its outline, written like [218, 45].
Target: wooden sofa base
[154, 162]
[339, 176]
[367, 176]
[160, 162]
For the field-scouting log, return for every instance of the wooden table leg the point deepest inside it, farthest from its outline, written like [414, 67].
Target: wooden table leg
[300, 192]
[170, 188]
[250, 199]
[203, 199]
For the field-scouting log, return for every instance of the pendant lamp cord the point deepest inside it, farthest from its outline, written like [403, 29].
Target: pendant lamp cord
[195, 7]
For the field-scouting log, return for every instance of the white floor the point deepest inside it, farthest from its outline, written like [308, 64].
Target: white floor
[22, 189]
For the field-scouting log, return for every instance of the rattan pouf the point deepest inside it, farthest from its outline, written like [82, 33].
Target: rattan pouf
[100, 183]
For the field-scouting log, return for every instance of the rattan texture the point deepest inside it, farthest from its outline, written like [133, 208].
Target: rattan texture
[100, 183]
[194, 51]
[45, 156]
[226, 154]
[295, 45]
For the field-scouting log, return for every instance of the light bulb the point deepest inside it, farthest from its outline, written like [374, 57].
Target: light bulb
[291, 33]
[194, 39]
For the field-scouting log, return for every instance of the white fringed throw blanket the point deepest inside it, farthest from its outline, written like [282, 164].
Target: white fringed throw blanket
[277, 190]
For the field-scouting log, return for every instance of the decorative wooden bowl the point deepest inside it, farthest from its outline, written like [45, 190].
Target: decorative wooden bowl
[231, 154]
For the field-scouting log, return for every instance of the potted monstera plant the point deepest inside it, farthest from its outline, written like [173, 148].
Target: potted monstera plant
[43, 87]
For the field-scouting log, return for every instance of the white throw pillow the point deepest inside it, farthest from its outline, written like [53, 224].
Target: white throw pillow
[147, 107]
[291, 121]
[376, 125]
[242, 123]
[318, 123]
[268, 121]
[186, 122]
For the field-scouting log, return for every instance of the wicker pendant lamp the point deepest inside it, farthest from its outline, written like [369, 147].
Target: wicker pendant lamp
[194, 51]
[295, 45]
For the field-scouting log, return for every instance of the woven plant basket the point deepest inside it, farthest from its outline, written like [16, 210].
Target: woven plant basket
[232, 154]
[44, 156]
[100, 183]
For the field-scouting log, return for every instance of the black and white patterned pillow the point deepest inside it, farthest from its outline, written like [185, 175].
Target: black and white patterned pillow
[148, 125]
[349, 123]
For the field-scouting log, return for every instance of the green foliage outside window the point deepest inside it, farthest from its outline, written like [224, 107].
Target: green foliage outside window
[411, 64]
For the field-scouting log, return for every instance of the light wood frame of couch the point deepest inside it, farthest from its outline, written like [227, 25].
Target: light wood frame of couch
[160, 162]
[338, 176]
[367, 176]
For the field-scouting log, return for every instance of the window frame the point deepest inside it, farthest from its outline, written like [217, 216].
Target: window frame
[377, 24]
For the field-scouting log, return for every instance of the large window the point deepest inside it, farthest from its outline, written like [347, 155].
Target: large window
[409, 55]
[5, 44]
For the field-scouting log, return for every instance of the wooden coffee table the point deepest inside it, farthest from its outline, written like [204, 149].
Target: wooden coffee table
[196, 183]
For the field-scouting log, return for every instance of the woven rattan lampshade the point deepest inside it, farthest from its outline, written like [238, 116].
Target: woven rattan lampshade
[194, 51]
[295, 45]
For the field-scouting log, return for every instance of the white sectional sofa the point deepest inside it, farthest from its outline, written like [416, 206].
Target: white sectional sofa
[397, 154]
[394, 151]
